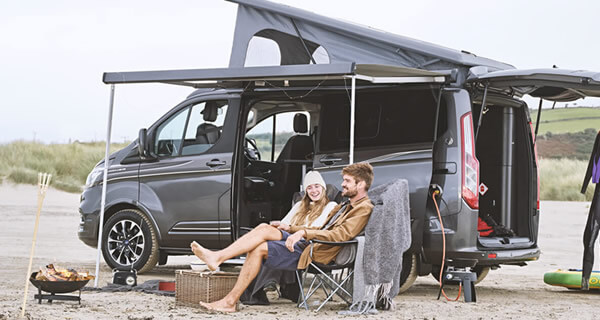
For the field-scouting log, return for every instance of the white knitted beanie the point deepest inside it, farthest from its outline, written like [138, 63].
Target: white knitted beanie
[313, 177]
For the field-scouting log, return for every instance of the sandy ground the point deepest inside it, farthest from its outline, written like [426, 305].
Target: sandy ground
[508, 293]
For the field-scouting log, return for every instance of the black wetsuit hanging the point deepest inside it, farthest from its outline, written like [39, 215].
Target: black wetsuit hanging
[593, 223]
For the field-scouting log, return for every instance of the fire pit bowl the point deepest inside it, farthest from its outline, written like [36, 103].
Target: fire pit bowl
[57, 286]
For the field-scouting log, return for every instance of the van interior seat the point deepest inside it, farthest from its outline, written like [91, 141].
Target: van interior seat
[208, 133]
[298, 147]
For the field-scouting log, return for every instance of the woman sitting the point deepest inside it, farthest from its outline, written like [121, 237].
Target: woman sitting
[311, 212]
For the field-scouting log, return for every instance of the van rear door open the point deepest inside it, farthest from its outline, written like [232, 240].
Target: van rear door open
[549, 84]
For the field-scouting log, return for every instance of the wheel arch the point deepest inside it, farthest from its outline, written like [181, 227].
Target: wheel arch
[116, 207]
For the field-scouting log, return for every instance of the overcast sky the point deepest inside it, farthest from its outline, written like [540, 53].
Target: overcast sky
[53, 53]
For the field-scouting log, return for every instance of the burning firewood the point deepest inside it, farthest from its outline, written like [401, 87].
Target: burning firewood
[52, 273]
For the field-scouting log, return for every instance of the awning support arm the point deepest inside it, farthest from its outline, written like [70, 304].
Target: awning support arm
[302, 40]
[104, 179]
[481, 111]
[537, 122]
[437, 114]
[352, 120]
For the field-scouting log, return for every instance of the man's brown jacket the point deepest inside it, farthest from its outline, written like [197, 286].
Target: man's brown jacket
[346, 227]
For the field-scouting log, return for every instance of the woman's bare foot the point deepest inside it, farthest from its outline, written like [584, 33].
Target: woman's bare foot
[220, 306]
[205, 255]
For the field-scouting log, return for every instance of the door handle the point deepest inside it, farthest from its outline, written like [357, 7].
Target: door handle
[215, 163]
[329, 161]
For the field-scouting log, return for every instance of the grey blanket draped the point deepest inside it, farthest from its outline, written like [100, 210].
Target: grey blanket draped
[378, 263]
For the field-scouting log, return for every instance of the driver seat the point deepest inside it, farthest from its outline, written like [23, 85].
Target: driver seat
[208, 133]
[298, 147]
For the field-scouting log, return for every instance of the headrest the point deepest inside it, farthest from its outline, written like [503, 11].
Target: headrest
[300, 123]
[210, 111]
[333, 194]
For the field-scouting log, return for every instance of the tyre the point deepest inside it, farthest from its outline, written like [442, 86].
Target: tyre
[481, 272]
[129, 241]
[409, 271]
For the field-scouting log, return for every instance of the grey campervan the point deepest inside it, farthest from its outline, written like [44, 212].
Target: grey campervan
[232, 154]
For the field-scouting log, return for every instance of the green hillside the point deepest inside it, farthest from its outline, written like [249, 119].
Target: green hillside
[565, 120]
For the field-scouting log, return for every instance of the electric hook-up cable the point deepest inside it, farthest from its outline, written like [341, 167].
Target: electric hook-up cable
[437, 208]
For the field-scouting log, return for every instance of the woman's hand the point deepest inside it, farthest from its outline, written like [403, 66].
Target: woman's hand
[283, 226]
[291, 240]
[275, 223]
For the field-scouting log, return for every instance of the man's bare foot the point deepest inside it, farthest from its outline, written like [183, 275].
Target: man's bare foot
[205, 255]
[220, 306]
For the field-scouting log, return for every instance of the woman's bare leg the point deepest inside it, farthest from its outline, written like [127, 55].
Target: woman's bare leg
[245, 244]
[247, 274]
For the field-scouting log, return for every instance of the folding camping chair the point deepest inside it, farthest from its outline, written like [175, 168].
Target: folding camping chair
[332, 285]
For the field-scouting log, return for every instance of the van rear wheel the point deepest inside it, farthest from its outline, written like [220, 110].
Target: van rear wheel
[129, 241]
[480, 271]
[409, 271]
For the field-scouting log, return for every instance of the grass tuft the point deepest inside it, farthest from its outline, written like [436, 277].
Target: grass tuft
[561, 179]
[69, 164]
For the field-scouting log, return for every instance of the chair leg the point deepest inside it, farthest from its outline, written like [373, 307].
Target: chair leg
[301, 284]
[334, 286]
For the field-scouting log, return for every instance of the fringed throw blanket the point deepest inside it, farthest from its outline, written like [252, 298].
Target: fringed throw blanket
[378, 261]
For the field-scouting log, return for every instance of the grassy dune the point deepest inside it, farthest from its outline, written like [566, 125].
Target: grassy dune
[561, 179]
[69, 164]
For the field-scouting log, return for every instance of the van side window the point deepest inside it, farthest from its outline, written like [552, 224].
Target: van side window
[205, 126]
[169, 133]
[202, 124]
[264, 136]
[382, 119]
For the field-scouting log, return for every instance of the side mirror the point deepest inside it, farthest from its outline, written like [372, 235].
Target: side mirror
[142, 141]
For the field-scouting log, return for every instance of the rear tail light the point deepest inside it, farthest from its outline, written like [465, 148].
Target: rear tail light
[470, 165]
[537, 167]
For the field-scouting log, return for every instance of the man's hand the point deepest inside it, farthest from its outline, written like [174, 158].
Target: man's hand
[284, 227]
[291, 240]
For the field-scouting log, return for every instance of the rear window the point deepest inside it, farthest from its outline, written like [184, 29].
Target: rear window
[382, 119]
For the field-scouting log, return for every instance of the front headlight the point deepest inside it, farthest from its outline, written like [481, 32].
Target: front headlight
[94, 177]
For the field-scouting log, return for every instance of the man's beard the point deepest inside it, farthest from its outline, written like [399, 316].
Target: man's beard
[350, 193]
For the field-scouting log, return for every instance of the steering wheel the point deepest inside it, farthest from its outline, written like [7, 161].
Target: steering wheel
[251, 150]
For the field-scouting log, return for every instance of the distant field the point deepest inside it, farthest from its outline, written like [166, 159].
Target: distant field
[565, 120]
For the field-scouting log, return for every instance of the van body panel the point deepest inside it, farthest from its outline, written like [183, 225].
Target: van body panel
[119, 192]
[184, 199]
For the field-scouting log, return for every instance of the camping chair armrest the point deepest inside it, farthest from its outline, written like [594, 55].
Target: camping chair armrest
[330, 243]
[334, 243]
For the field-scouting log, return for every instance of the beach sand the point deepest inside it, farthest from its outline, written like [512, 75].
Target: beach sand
[511, 292]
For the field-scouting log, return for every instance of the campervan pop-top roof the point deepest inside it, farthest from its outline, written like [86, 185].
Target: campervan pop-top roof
[299, 34]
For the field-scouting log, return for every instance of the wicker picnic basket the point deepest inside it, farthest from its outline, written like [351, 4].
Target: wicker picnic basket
[191, 287]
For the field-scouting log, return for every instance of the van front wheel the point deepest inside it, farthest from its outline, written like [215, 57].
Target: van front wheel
[129, 241]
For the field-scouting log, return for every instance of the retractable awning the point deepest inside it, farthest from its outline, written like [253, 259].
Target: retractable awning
[232, 77]
[290, 74]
